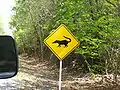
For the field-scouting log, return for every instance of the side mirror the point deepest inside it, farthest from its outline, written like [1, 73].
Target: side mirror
[8, 57]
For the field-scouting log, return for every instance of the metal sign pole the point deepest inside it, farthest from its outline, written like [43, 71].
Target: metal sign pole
[60, 75]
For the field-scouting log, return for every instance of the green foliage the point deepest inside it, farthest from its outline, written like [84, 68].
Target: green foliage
[98, 69]
[31, 22]
[95, 23]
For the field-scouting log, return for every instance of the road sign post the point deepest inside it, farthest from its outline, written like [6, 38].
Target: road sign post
[60, 75]
[61, 42]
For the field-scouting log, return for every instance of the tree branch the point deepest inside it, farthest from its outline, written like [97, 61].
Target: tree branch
[111, 3]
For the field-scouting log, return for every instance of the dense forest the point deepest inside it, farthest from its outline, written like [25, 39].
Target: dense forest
[95, 23]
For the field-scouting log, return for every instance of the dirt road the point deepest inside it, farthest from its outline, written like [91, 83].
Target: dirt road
[35, 75]
[31, 76]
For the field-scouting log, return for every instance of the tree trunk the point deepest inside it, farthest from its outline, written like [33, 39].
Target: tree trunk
[41, 40]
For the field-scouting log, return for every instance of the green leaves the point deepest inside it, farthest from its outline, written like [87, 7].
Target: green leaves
[95, 23]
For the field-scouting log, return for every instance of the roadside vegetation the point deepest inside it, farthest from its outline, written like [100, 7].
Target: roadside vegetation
[95, 23]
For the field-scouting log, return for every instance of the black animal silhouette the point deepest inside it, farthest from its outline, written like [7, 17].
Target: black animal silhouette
[63, 42]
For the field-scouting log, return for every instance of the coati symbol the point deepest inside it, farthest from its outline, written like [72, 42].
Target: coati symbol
[63, 42]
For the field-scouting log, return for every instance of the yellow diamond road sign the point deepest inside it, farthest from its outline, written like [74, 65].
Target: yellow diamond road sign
[61, 42]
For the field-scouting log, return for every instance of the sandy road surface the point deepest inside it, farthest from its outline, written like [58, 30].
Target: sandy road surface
[31, 76]
[35, 75]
